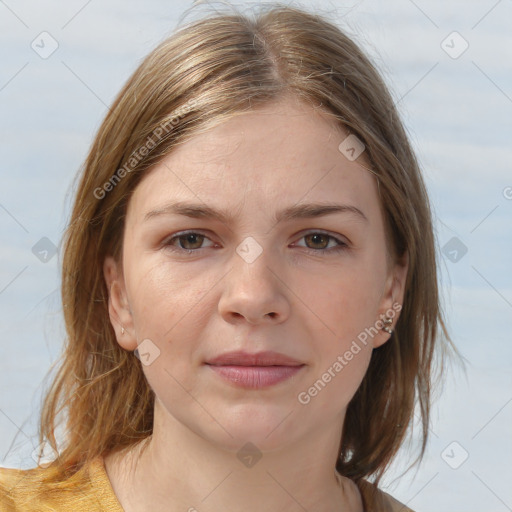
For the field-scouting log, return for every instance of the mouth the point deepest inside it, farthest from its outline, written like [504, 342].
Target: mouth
[254, 371]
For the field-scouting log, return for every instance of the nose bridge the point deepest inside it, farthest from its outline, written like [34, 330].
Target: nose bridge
[251, 263]
[250, 250]
[252, 289]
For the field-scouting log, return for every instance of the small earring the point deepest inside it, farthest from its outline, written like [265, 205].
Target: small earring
[122, 330]
[387, 322]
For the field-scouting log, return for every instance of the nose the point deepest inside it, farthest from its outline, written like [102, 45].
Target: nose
[254, 292]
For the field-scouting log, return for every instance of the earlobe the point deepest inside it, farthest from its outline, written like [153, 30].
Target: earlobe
[118, 305]
[392, 301]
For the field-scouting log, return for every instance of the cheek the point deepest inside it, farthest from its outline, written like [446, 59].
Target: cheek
[168, 310]
[344, 300]
[164, 299]
[346, 372]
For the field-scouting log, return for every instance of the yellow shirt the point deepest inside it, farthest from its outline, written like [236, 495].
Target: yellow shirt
[88, 490]
[91, 491]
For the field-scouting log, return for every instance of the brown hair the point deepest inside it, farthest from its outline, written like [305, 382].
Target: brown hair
[208, 71]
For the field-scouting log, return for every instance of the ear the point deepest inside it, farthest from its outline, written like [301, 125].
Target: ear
[118, 305]
[392, 298]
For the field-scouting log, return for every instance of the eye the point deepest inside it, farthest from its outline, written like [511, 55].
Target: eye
[189, 241]
[321, 243]
[317, 242]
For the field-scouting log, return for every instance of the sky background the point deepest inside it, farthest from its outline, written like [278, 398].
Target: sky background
[449, 68]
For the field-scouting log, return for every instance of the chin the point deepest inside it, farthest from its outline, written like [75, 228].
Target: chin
[267, 427]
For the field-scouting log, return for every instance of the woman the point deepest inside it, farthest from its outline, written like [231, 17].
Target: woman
[249, 284]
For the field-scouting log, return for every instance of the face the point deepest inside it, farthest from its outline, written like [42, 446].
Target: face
[229, 247]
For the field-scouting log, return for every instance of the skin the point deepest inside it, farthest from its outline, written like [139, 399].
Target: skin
[299, 297]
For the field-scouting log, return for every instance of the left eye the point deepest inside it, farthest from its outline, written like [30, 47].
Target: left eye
[322, 241]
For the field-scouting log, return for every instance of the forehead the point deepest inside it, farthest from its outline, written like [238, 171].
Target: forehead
[278, 155]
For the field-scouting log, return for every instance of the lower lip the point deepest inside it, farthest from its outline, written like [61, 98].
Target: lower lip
[256, 377]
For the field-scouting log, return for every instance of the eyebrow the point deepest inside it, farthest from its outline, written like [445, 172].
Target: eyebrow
[299, 211]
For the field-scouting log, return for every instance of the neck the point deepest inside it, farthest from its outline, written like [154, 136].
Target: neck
[178, 470]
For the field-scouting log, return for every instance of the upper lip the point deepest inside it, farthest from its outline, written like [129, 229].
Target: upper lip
[241, 358]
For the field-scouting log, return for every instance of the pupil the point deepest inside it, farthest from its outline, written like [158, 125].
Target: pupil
[191, 239]
[317, 238]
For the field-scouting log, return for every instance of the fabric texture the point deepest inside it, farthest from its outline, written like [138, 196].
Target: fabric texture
[88, 490]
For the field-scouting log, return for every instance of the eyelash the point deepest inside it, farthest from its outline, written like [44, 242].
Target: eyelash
[342, 246]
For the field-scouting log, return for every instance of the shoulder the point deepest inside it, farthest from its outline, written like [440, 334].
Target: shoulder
[395, 505]
[30, 490]
[377, 500]
[8, 481]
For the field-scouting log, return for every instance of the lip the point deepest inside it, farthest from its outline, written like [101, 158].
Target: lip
[241, 358]
[254, 371]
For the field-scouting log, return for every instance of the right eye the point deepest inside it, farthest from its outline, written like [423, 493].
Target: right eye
[187, 241]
